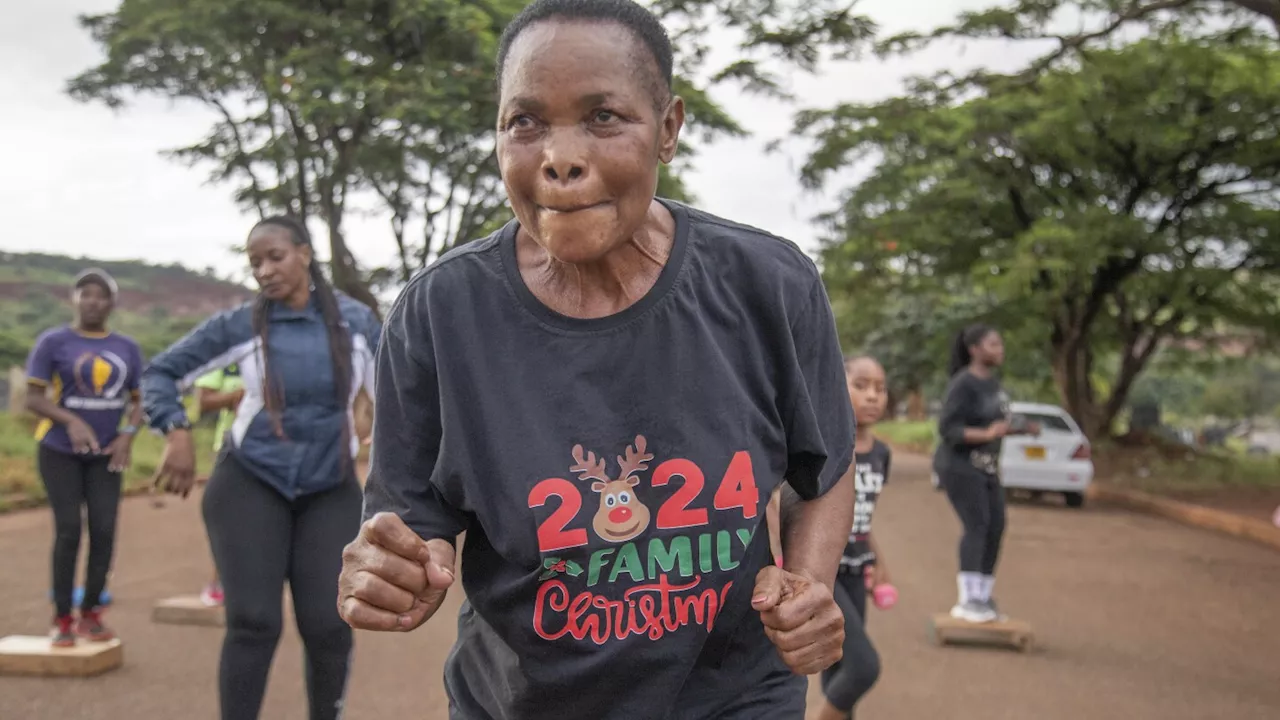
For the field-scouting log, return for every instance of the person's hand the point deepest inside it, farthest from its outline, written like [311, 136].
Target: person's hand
[121, 452]
[83, 439]
[391, 578]
[800, 618]
[877, 574]
[177, 473]
[997, 430]
[236, 397]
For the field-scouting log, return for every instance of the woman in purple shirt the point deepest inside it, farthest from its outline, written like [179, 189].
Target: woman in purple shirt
[80, 380]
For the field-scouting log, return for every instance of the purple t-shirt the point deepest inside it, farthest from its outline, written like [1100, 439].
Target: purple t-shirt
[94, 377]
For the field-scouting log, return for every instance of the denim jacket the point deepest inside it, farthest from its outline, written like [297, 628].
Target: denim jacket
[307, 459]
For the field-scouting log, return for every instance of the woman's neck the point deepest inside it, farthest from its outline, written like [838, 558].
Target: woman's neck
[84, 329]
[607, 286]
[299, 298]
[980, 369]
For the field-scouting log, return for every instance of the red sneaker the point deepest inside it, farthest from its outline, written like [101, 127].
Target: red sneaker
[62, 636]
[91, 628]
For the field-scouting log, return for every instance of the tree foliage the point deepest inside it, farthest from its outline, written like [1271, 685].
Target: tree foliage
[1094, 24]
[323, 102]
[1107, 208]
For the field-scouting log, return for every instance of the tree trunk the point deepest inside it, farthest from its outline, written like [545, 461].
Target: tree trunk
[1071, 377]
[915, 405]
[346, 273]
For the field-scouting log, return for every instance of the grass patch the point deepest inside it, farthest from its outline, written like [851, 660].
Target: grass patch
[909, 435]
[1158, 467]
[19, 478]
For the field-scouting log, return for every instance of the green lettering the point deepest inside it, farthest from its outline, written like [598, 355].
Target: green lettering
[595, 564]
[724, 548]
[628, 562]
[660, 557]
[744, 535]
[704, 552]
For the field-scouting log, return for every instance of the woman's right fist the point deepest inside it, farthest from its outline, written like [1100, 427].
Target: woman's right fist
[391, 578]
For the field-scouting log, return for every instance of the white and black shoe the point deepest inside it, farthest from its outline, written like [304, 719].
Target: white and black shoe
[974, 612]
[991, 603]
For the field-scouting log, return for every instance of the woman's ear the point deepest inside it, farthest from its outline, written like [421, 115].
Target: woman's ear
[669, 132]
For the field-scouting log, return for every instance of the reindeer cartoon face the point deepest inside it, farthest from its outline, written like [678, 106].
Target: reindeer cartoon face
[621, 515]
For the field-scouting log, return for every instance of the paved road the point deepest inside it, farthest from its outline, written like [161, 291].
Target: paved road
[1137, 619]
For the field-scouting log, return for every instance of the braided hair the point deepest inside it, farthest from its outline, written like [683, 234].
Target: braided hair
[339, 335]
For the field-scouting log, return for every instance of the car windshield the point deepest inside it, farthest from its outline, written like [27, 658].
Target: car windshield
[1049, 422]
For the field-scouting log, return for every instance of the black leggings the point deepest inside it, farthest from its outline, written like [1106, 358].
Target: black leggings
[260, 539]
[848, 680]
[978, 499]
[73, 481]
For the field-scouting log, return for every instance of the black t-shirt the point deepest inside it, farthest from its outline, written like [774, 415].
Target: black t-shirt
[870, 473]
[611, 474]
[970, 402]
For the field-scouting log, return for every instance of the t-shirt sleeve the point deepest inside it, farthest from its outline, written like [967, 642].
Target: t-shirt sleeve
[888, 463]
[954, 416]
[407, 429]
[819, 422]
[40, 361]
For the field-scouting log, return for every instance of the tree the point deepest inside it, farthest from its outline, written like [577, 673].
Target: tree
[302, 88]
[319, 101]
[1098, 23]
[1246, 390]
[1108, 208]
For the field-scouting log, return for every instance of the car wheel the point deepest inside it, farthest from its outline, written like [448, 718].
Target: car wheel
[1074, 499]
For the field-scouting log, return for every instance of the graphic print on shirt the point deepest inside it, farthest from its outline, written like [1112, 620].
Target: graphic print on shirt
[868, 483]
[625, 584]
[99, 377]
[621, 515]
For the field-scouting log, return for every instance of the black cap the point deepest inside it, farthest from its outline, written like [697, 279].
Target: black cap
[100, 276]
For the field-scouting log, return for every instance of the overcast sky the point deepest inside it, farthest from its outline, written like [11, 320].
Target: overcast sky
[84, 181]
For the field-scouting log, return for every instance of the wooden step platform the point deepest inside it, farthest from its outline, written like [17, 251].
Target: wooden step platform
[34, 655]
[1015, 634]
[188, 610]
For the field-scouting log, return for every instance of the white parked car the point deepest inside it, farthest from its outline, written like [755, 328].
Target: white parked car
[1059, 460]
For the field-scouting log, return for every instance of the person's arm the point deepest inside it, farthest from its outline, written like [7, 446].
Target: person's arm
[39, 376]
[121, 449]
[795, 602]
[814, 532]
[397, 571]
[211, 346]
[40, 404]
[880, 571]
[954, 421]
[203, 350]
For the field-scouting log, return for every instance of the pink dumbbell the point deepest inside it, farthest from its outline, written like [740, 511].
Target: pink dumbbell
[884, 596]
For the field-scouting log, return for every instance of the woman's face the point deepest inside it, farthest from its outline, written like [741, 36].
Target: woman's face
[990, 350]
[867, 392]
[280, 267]
[579, 138]
[93, 304]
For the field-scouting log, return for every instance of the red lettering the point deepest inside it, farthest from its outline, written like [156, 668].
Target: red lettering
[552, 535]
[675, 512]
[738, 487]
[650, 610]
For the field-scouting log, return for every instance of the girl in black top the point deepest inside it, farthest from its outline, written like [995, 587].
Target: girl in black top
[845, 682]
[975, 419]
